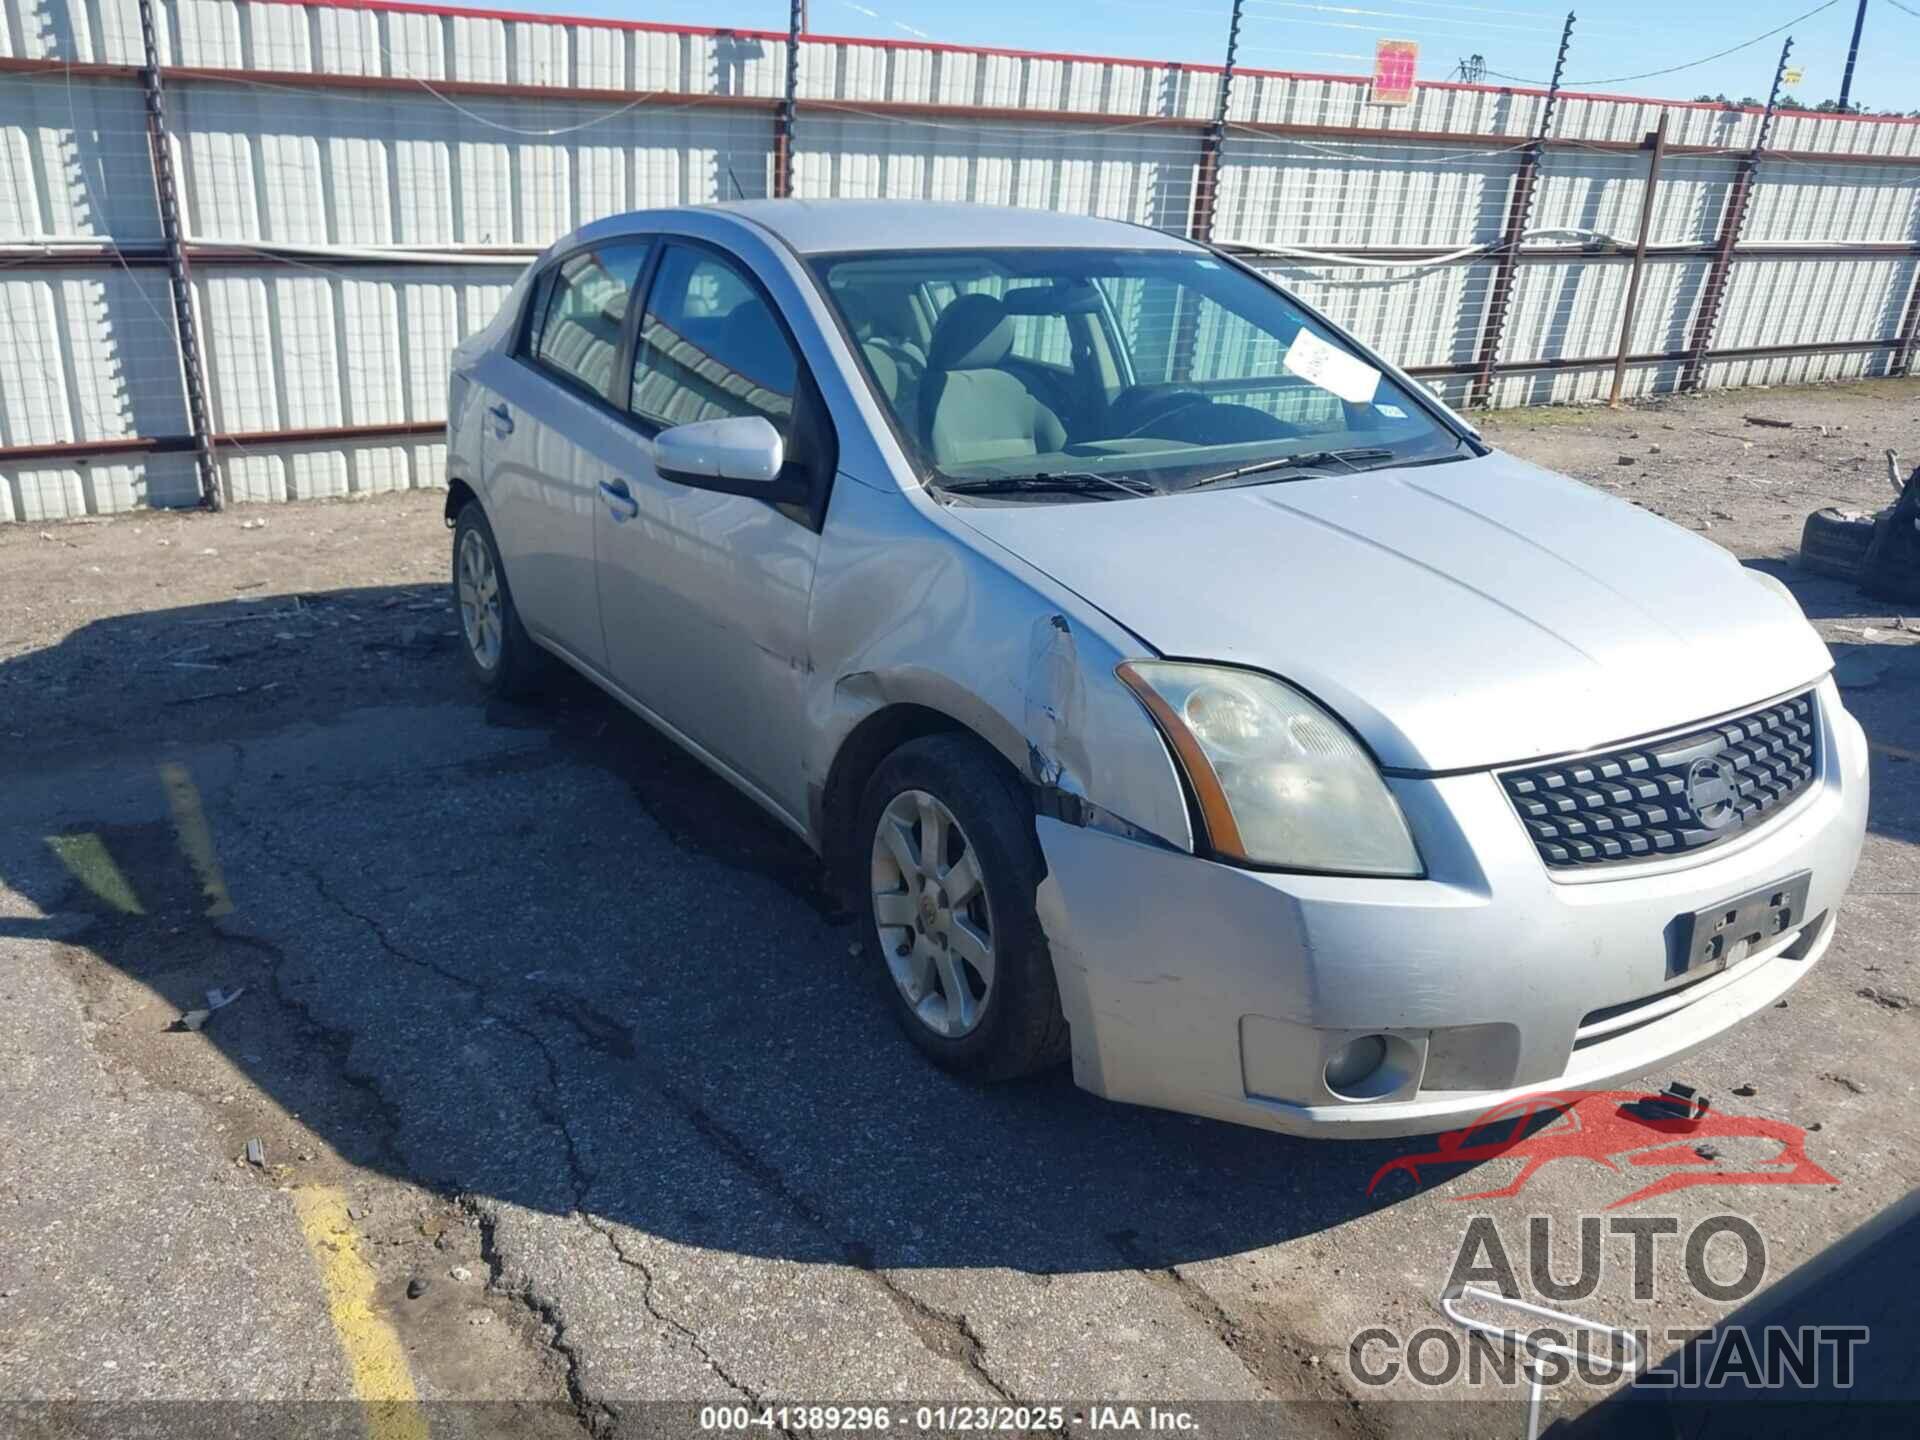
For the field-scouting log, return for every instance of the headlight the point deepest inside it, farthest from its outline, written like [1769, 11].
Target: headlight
[1279, 780]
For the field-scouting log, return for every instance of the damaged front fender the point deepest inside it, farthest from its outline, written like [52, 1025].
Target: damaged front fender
[995, 647]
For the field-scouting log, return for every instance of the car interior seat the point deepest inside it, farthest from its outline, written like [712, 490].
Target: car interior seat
[972, 408]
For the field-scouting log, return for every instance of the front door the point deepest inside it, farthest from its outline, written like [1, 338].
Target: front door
[703, 595]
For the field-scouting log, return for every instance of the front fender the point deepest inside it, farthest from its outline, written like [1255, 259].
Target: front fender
[979, 636]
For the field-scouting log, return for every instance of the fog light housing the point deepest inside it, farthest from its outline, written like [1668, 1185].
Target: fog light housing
[1354, 1070]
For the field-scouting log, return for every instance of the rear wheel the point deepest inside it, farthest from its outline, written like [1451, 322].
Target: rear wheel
[1834, 543]
[500, 655]
[952, 870]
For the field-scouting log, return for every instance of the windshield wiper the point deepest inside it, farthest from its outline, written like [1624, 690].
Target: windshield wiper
[1348, 458]
[1069, 482]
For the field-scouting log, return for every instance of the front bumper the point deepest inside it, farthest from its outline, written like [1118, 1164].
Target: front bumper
[1218, 991]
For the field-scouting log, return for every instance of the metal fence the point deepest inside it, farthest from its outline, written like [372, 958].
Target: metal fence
[237, 245]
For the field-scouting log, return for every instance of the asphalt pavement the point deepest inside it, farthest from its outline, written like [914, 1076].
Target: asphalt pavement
[541, 1023]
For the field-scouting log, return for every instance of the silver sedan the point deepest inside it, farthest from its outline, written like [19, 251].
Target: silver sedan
[1179, 686]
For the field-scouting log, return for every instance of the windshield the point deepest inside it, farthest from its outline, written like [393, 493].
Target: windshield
[1156, 369]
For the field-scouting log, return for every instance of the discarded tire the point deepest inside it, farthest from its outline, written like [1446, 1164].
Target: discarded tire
[1834, 542]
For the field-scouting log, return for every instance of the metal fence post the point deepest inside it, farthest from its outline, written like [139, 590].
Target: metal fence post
[179, 274]
[1731, 223]
[783, 118]
[1519, 213]
[1206, 177]
[1658, 141]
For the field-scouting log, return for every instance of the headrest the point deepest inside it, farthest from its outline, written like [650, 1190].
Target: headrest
[974, 333]
[858, 309]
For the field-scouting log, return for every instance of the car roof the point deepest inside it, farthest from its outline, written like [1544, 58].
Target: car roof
[815, 227]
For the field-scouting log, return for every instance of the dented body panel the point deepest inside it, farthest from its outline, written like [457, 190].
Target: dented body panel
[1458, 620]
[1229, 1003]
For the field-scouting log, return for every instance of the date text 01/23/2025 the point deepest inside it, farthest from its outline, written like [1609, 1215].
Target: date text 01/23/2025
[941, 1419]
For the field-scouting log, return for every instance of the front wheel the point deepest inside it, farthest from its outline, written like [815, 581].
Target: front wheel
[953, 867]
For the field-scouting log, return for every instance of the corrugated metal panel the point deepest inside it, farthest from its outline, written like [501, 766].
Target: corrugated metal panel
[309, 340]
[1806, 302]
[60, 490]
[96, 32]
[1564, 311]
[1796, 203]
[1693, 200]
[852, 72]
[1670, 296]
[1328, 100]
[1580, 387]
[1797, 369]
[86, 354]
[1074, 170]
[74, 162]
[332, 469]
[299, 350]
[1832, 135]
[1414, 318]
[346, 168]
[1585, 193]
[1339, 195]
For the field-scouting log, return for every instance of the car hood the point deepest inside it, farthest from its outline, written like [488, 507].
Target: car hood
[1458, 616]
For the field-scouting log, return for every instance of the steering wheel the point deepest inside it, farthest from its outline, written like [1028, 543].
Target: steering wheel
[1158, 403]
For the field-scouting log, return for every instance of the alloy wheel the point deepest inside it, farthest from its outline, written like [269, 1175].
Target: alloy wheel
[931, 908]
[478, 584]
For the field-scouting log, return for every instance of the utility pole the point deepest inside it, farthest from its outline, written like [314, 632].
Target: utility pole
[1853, 54]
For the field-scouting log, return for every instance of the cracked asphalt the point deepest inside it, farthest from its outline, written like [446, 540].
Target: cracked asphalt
[621, 1124]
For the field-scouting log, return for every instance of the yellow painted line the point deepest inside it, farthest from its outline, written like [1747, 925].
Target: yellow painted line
[86, 856]
[196, 836]
[1894, 750]
[382, 1381]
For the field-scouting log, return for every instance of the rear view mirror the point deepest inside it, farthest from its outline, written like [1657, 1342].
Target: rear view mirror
[743, 448]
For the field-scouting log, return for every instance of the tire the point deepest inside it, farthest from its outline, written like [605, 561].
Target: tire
[501, 657]
[1834, 543]
[1012, 1025]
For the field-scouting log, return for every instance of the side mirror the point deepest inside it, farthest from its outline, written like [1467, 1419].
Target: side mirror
[746, 449]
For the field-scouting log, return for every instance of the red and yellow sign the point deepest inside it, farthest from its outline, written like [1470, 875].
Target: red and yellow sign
[1393, 62]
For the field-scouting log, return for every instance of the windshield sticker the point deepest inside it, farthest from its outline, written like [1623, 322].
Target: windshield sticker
[1392, 412]
[1312, 358]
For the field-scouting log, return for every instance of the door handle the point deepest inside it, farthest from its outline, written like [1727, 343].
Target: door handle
[502, 418]
[619, 500]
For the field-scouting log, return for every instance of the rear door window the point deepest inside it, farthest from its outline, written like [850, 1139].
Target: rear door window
[577, 336]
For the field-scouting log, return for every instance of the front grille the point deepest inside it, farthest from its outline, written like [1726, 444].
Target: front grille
[1670, 796]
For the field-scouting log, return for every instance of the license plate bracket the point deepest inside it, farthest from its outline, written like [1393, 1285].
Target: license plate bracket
[1710, 940]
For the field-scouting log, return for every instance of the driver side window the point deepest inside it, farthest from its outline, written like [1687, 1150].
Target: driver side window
[710, 348]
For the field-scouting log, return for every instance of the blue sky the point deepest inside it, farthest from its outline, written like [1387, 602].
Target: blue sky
[1613, 38]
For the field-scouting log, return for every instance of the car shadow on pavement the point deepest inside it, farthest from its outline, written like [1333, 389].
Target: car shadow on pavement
[536, 957]
[1878, 670]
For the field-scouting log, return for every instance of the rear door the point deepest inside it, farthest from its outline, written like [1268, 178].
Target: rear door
[554, 436]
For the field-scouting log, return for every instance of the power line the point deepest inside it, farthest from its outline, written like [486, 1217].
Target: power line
[1689, 65]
